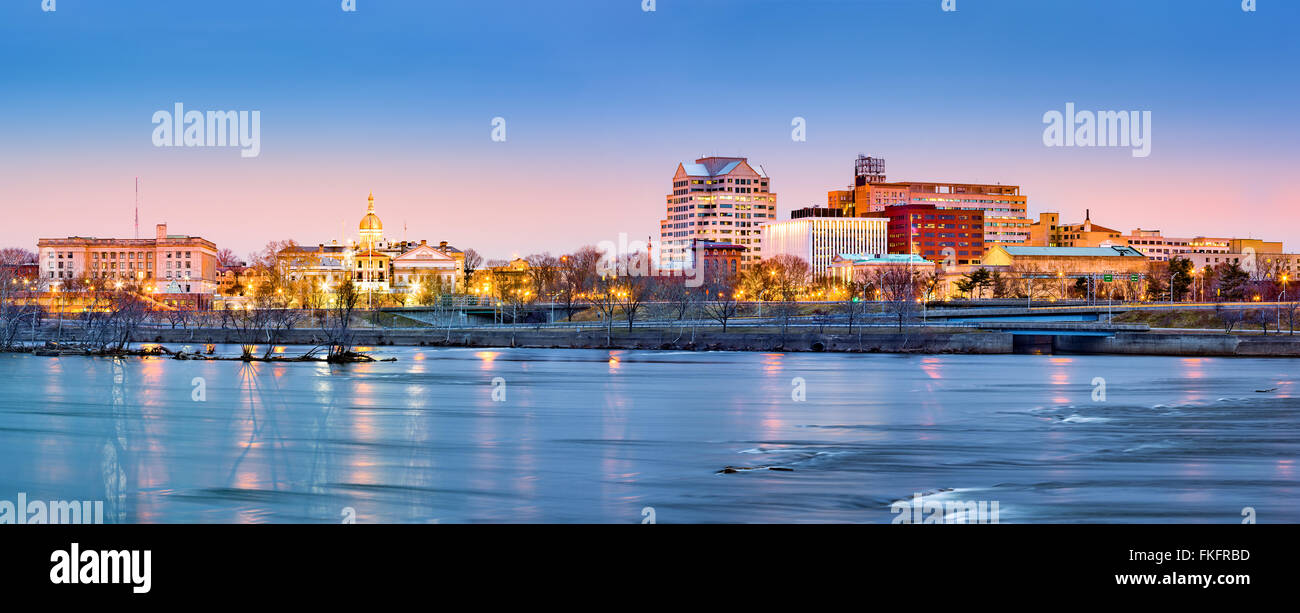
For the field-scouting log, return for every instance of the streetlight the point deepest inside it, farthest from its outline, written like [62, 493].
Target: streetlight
[1171, 286]
[1279, 303]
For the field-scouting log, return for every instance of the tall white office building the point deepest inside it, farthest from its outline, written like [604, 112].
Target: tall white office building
[717, 200]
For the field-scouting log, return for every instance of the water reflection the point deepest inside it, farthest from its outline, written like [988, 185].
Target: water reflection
[596, 435]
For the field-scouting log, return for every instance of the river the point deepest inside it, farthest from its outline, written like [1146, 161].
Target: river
[537, 435]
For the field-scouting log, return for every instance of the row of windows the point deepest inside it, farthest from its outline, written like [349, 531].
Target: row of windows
[60, 274]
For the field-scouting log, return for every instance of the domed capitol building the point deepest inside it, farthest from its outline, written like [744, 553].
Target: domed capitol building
[377, 265]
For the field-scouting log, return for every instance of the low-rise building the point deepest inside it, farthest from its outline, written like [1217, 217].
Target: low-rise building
[713, 261]
[863, 266]
[1048, 231]
[1069, 261]
[1160, 248]
[177, 269]
[424, 266]
[1260, 265]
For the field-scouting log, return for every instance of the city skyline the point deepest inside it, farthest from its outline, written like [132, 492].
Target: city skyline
[408, 114]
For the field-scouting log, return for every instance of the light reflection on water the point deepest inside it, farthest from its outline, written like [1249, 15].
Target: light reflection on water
[594, 436]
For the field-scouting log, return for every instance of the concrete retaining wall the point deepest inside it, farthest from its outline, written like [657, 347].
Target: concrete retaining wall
[1180, 345]
[959, 342]
[992, 342]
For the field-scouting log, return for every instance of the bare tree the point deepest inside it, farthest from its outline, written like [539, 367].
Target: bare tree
[472, 263]
[180, 316]
[720, 302]
[512, 287]
[1229, 317]
[678, 299]
[227, 257]
[338, 321]
[428, 288]
[780, 281]
[18, 306]
[632, 295]
[604, 299]
[792, 274]
[1292, 310]
[249, 322]
[1261, 318]
[128, 312]
[577, 274]
[898, 287]
[272, 265]
[544, 274]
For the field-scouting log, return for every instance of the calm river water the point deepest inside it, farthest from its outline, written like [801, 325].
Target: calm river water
[533, 435]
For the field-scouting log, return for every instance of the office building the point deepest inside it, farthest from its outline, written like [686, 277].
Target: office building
[716, 199]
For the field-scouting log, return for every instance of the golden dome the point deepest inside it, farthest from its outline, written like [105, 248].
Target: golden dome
[371, 220]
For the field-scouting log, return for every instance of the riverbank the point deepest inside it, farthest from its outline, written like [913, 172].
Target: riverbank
[914, 340]
[1054, 338]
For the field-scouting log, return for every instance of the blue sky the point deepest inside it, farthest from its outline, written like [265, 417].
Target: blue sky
[602, 99]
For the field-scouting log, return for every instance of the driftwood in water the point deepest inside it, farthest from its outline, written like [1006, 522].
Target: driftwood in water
[55, 350]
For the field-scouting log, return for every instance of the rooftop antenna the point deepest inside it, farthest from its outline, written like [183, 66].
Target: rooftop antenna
[137, 207]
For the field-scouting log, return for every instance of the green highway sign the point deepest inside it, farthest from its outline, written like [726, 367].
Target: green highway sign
[1108, 278]
[1133, 278]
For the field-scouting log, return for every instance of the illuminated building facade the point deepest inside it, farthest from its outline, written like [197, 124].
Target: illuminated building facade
[165, 264]
[376, 264]
[1004, 208]
[818, 240]
[716, 199]
[950, 236]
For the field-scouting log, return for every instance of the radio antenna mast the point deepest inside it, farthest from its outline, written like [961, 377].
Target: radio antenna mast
[137, 207]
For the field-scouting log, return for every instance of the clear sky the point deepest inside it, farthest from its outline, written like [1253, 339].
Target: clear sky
[603, 99]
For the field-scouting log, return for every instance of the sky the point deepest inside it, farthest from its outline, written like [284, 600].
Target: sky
[602, 99]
